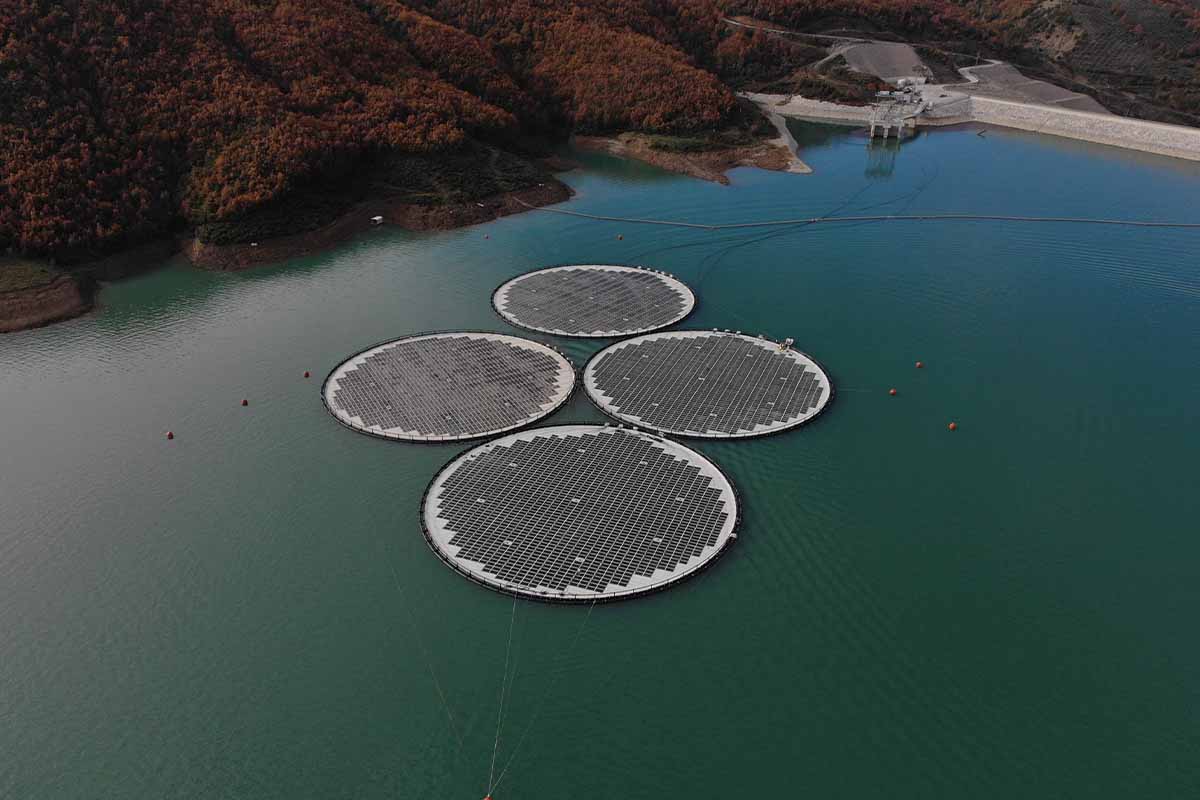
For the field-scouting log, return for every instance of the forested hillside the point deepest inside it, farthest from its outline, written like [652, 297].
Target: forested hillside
[120, 121]
[125, 121]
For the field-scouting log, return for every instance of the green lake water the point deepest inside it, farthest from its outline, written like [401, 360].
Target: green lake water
[1007, 611]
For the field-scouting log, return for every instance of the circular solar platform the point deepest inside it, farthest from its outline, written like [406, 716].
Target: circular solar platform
[442, 387]
[579, 513]
[710, 384]
[594, 300]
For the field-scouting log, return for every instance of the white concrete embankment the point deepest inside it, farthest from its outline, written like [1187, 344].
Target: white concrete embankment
[785, 137]
[796, 106]
[1178, 141]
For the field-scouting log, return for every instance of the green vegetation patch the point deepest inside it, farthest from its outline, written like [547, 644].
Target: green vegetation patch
[747, 125]
[684, 144]
[834, 82]
[469, 174]
[299, 212]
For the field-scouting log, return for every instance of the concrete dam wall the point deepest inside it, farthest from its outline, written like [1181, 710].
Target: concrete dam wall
[1178, 141]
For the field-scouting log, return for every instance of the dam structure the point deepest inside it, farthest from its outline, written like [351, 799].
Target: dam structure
[893, 119]
[444, 387]
[579, 513]
[953, 104]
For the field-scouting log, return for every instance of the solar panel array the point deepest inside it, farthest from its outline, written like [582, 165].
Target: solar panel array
[710, 384]
[448, 386]
[579, 512]
[594, 300]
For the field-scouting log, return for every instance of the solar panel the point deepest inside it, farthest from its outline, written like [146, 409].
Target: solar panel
[579, 513]
[594, 300]
[448, 386]
[707, 383]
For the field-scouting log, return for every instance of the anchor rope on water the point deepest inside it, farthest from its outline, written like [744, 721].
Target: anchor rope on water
[425, 654]
[503, 690]
[870, 218]
[542, 703]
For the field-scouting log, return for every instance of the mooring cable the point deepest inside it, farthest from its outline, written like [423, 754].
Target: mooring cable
[424, 653]
[1133, 223]
[542, 704]
[503, 690]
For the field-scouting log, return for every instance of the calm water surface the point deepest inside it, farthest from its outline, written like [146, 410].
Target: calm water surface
[250, 611]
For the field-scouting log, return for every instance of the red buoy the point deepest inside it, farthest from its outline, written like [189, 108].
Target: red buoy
[306, 373]
[920, 364]
[892, 392]
[170, 435]
[245, 402]
[953, 426]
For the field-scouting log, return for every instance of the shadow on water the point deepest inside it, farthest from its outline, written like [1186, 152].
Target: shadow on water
[815, 135]
[620, 170]
[881, 158]
[817, 139]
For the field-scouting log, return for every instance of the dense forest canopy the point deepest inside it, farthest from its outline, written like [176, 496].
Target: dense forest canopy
[123, 121]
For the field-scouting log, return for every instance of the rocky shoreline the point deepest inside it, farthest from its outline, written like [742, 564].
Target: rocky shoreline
[62, 298]
[710, 165]
[70, 294]
[358, 219]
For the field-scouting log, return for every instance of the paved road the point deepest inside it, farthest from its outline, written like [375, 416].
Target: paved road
[786, 32]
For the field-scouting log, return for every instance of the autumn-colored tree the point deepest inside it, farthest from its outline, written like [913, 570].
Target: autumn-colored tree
[122, 120]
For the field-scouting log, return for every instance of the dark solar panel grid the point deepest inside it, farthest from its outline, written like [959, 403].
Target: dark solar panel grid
[709, 384]
[451, 385]
[558, 513]
[594, 300]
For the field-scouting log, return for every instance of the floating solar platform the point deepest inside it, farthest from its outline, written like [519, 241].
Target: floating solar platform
[709, 384]
[598, 300]
[579, 513]
[443, 387]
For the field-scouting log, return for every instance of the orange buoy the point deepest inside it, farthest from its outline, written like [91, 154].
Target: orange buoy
[245, 402]
[953, 426]
[306, 373]
[920, 364]
[892, 392]
[170, 435]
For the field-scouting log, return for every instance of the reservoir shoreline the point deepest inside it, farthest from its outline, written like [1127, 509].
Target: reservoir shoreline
[358, 219]
[72, 294]
[777, 154]
[62, 298]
